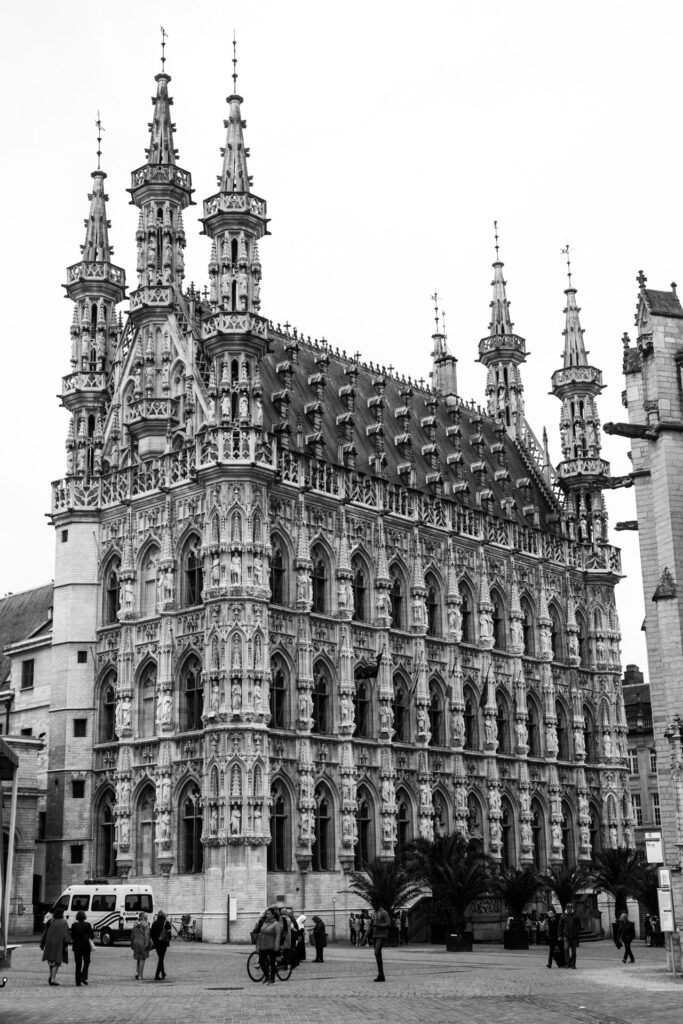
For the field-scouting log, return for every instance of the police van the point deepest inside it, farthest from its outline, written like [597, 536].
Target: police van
[112, 910]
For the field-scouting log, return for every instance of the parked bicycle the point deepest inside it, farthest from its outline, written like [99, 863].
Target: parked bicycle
[188, 930]
[283, 968]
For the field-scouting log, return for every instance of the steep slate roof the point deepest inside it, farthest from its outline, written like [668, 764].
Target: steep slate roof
[302, 393]
[23, 616]
[663, 303]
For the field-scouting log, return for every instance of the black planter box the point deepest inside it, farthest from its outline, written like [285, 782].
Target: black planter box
[515, 940]
[459, 943]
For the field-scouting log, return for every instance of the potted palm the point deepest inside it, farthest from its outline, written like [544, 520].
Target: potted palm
[383, 883]
[618, 872]
[516, 888]
[457, 872]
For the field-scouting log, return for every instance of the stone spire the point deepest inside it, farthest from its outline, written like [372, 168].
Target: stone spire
[234, 175]
[444, 376]
[502, 352]
[161, 149]
[582, 471]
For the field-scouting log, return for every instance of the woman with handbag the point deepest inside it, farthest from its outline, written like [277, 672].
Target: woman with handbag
[55, 943]
[83, 938]
[140, 943]
[160, 933]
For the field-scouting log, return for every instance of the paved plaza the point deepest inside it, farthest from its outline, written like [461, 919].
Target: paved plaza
[425, 984]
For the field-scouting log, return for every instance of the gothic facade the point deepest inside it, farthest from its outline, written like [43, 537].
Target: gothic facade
[329, 608]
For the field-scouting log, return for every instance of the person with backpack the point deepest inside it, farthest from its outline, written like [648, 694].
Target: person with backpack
[626, 933]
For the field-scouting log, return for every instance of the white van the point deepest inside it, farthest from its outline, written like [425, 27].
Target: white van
[112, 910]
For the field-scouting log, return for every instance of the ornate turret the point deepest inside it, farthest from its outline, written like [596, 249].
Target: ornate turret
[501, 353]
[95, 286]
[582, 471]
[444, 374]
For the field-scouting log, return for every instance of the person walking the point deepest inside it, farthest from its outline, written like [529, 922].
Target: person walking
[319, 939]
[83, 939]
[378, 934]
[626, 933]
[140, 943]
[568, 932]
[268, 945]
[404, 927]
[552, 926]
[55, 943]
[301, 938]
[160, 934]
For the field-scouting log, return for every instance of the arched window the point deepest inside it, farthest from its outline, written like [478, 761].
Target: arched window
[191, 851]
[108, 710]
[502, 724]
[532, 727]
[319, 581]
[146, 700]
[466, 615]
[112, 592]
[321, 702]
[359, 592]
[596, 844]
[471, 729]
[508, 845]
[192, 695]
[433, 607]
[146, 832]
[278, 850]
[106, 850]
[562, 733]
[400, 709]
[568, 846]
[499, 640]
[528, 629]
[435, 717]
[193, 572]
[556, 635]
[404, 832]
[439, 815]
[278, 697]
[148, 582]
[322, 849]
[589, 733]
[364, 851]
[582, 641]
[538, 835]
[475, 818]
[277, 575]
[397, 601]
[361, 704]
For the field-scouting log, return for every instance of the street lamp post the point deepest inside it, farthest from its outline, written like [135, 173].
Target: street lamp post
[334, 918]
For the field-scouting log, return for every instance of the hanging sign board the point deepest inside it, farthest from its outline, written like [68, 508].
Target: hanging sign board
[664, 878]
[666, 910]
[653, 847]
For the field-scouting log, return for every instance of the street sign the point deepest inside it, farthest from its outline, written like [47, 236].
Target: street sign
[653, 847]
[664, 878]
[666, 910]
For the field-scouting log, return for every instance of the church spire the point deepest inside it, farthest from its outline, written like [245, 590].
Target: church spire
[582, 471]
[502, 352]
[234, 176]
[444, 378]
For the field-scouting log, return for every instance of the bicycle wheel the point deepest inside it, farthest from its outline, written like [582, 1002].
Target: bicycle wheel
[254, 969]
[283, 968]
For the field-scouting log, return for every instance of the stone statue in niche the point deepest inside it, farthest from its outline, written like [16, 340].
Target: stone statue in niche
[347, 830]
[123, 714]
[244, 407]
[124, 832]
[214, 819]
[124, 794]
[607, 745]
[345, 710]
[164, 707]
[215, 697]
[236, 696]
[421, 721]
[235, 821]
[235, 567]
[215, 570]
[258, 820]
[168, 586]
[258, 570]
[387, 833]
[257, 694]
[556, 835]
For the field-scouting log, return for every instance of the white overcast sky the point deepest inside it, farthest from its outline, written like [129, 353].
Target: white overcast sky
[386, 138]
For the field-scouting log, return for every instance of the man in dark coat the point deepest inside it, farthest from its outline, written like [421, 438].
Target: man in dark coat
[626, 933]
[378, 934]
[553, 943]
[569, 934]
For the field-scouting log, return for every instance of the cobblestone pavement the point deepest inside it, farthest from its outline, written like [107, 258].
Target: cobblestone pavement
[424, 983]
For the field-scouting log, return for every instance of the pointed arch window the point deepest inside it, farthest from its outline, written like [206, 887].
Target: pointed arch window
[596, 845]
[502, 724]
[533, 732]
[364, 852]
[146, 700]
[148, 582]
[400, 710]
[589, 734]
[277, 575]
[556, 635]
[474, 816]
[433, 607]
[397, 600]
[193, 573]
[466, 615]
[322, 850]
[528, 629]
[106, 848]
[146, 832]
[319, 580]
[508, 857]
[538, 836]
[498, 623]
[190, 839]
[321, 702]
[361, 705]
[108, 710]
[278, 850]
[470, 716]
[403, 828]
[562, 733]
[568, 851]
[192, 690]
[359, 592]
[435, 717]
[278, 697]
[112, 592]
[582, 641]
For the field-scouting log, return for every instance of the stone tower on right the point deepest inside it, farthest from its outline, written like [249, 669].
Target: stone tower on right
[653, 368]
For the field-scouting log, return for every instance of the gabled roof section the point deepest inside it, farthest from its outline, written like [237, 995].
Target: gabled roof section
[663, 303]
[22, 617]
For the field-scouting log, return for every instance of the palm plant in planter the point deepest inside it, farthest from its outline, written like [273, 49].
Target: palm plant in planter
[516, 888]
[618, 872]
[565, 882]
[385, 884]
[457, 872]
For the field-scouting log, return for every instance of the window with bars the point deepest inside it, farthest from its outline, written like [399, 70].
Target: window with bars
[653, 760]
[656, 809]
[632, 755]
[637, 808]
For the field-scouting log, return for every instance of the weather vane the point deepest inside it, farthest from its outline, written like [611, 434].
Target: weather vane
[164, 34]
[495, 235]
[565, 252]
[100, 129]
[435, 300]
[234, 62]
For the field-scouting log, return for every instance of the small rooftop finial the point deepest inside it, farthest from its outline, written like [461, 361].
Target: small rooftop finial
[641, 279]
[164, 33]
[565, 252]
[234, 62]
[435, 300]
[495, 235]
[443, 322]
[100, 129]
